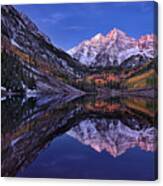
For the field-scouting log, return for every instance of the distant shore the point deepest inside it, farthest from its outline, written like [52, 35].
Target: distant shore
[150, 93]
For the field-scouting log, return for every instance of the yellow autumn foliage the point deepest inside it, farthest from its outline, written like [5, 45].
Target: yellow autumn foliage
[142, 76]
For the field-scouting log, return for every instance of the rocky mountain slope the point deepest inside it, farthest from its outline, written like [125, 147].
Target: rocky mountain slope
[114, 49]
[49, 68]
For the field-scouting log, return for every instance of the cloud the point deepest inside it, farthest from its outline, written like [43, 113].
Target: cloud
[54, 18]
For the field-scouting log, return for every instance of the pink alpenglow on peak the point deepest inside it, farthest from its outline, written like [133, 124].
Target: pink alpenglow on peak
[114, 48]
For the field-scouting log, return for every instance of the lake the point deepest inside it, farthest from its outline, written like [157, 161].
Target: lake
[88, 137]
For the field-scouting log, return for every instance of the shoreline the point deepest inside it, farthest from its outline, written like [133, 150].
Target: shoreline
[148, 93]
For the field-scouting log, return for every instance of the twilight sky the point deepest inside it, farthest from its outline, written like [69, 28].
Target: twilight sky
[68, 24]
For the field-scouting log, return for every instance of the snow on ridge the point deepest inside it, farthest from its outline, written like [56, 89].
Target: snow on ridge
[117, 45]
[16, 44]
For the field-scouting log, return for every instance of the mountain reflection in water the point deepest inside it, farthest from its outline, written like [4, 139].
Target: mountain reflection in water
[111, 128]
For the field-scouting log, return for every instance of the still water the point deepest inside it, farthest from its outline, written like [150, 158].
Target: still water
[89, 137]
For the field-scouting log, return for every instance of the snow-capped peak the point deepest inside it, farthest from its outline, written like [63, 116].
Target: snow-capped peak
[114, 48]
[98, 37]
[113, 33]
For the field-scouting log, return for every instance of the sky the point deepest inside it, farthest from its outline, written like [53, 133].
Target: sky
[69, 24]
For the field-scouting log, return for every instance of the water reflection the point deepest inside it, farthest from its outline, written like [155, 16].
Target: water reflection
[113, 136]
[114, 125]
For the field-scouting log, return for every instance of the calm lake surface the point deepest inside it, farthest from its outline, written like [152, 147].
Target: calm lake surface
[89, 137]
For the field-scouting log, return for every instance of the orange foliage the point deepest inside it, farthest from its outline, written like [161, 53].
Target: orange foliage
[103, 79]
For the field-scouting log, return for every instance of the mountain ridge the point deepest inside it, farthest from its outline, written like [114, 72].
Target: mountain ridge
[114, 48]
[48, 68]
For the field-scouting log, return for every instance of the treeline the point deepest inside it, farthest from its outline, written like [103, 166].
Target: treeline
[93, 85]
[143, 76]
[15, 76]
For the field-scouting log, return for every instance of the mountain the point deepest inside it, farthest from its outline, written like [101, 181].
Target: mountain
[114, 49]
[38, 64]
[148, 45]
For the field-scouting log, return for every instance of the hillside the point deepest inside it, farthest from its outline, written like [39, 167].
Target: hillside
[37, 63]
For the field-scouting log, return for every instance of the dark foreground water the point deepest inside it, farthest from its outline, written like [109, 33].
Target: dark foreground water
[90, 137]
